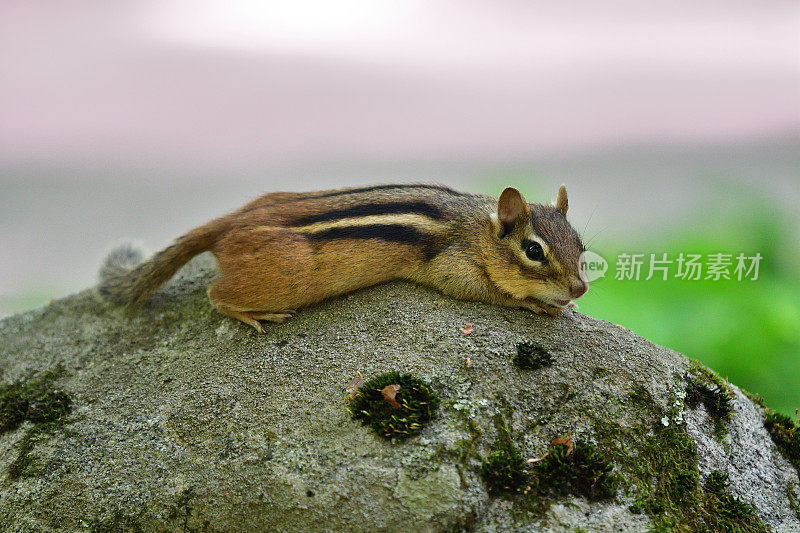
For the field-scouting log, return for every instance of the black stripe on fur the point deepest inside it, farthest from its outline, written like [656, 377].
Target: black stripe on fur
[399, 233]
[368, 209]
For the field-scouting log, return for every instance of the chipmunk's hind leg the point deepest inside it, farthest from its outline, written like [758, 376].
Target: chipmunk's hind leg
[260, 271]
[250, 317]
[271, 317]
[224, 309]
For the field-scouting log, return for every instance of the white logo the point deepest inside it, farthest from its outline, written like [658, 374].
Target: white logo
[592, 266]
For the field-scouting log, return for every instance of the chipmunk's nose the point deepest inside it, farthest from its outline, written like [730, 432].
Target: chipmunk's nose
[578, 289]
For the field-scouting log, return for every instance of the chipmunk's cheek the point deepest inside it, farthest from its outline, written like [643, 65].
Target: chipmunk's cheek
[518, 288]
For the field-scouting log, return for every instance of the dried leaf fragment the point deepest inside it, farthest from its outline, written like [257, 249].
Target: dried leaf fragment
[353, 387]
[390, 393]
[564, 441]
[466, 330]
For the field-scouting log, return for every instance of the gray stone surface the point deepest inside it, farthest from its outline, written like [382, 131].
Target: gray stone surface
[187, 420]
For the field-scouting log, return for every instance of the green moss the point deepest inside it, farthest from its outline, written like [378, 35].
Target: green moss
[532, 356]
[464, 450]
[724, 512]
[665, 473]
[640, 397]
[658, 466]
[731, 509]
[675, 501]
[36, 400]
[20, 466]
[418, 404]
[716, 482]
[504, 469]
[182, 510]
[785, 434]
[706, 387]
[756, 398]
[584, 472]
[24, 465]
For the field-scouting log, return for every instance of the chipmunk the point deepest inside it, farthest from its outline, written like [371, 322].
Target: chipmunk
[284, 251]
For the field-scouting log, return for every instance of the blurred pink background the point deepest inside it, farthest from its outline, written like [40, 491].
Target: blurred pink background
[142, 119]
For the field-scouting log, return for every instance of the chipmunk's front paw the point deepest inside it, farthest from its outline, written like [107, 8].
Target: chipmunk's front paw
[541, 308]
[553, 310]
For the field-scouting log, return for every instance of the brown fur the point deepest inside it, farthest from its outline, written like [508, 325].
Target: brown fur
[272, 262]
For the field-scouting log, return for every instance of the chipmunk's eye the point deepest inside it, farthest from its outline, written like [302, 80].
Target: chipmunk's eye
[534, 251]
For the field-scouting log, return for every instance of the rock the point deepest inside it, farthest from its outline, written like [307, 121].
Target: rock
[183, 419]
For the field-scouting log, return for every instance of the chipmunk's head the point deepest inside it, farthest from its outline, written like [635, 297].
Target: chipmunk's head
[538, 253]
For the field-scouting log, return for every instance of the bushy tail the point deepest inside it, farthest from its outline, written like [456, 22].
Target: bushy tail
[125, 279]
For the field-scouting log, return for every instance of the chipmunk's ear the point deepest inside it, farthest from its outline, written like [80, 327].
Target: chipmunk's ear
[510, 207]
[562, 204]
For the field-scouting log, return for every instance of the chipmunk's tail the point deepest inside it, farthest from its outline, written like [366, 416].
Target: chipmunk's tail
[125, 279]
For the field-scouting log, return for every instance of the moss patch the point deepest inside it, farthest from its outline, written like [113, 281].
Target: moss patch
[732, 510]
[417, 400]
[665, 475]
[786, 436]
[705, 387]
[35, 400]
[716, 482]
[504, 469]
[532, 356]
[585, 472]
[658, 466]
[19, 467]
[724, 512]
[675, 501]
